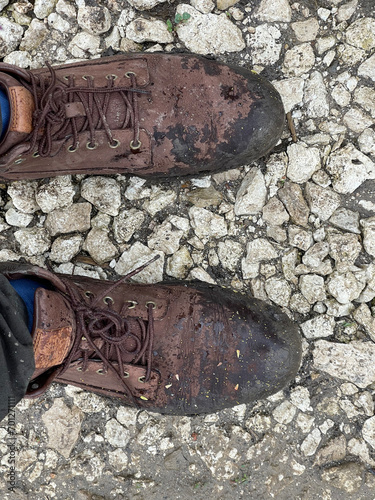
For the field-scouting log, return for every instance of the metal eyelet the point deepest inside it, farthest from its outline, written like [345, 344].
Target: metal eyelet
[20, 160]
[115, 144]
[152, 303]
[79, 368]
[135, 146]
[132, 303]
[83, 338]
[91, 146]
[100, 371]
[66, 77]
[72, 149]
[111, 77]
[35, 154]
[88, 294]
[128, 73]
[108, 300]
[142, 379]
[86, 77]
[126, 374]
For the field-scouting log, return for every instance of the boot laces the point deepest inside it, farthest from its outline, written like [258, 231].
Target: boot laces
[51, 123]
[112, 330]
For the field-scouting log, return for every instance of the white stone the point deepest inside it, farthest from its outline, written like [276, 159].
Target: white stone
[274, 212]
[284, 413]
[65, 8]
[264, 48]
[320, 326]
[145, 4]
[338, 310]
[344, 248]
[3, 4]
[148, 30]
[136, 256]
[229, 253]
[322, 201]
[366, 141]
[16, 218]
[274, 10]
[252, 193]
[165, 238]
[316, 96]
[74, 218]
[127, 223]
[312, 287]
[103, 192]
[208, 33]
[99, 246]
[278, 290]
[299, 237]
[315, 254]
[367, 68]
[291, 196]
[94, 19]
[303, 162]
[346, 219]
[118, 459]
[42, 8]
[206, 224]
[341, 95]
[159, 199]
[349, 169]
[365, 97]
[361, 33]
[369, 238]
[10, 36]
[299, 60]
[306, 31]
[58, 193]
[64, 248]
[311, 443]
[346, 11]
[345, 287]
[33, 241]
[353, 362]
[300, 398]
[357, 120]
[207, 6]
[116, 434]
[58, 23]
[368, 431]
[291, 91]
[22, 194]
[83, 44]
[63, 426]
[200, 274]
[179, 264]
[364, 317]
[18, 58]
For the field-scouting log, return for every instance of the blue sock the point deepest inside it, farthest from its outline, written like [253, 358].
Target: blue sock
[26, 290]
[4, 113]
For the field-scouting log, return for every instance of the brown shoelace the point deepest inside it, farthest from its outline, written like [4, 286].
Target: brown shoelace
[94, 322]
[51, 123]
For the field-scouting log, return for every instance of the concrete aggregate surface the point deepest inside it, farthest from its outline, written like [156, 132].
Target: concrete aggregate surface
[295, 228]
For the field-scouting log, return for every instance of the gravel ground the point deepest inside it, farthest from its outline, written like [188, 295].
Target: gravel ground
[296, 228]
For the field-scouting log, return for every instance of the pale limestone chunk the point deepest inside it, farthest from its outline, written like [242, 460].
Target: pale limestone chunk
[303, 162]
[320, 326]
[353, 362]
[208, 33]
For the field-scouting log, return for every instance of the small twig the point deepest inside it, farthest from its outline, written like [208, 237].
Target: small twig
[291, 126]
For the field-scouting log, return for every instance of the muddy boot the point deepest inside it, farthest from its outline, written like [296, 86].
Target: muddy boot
[178, 349]
[150, 115]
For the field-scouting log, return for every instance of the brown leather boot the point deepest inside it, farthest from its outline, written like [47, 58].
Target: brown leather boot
[143, 114]
[172, 348]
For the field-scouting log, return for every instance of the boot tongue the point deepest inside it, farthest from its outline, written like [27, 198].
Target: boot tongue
[53, 331]
[22, 107]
